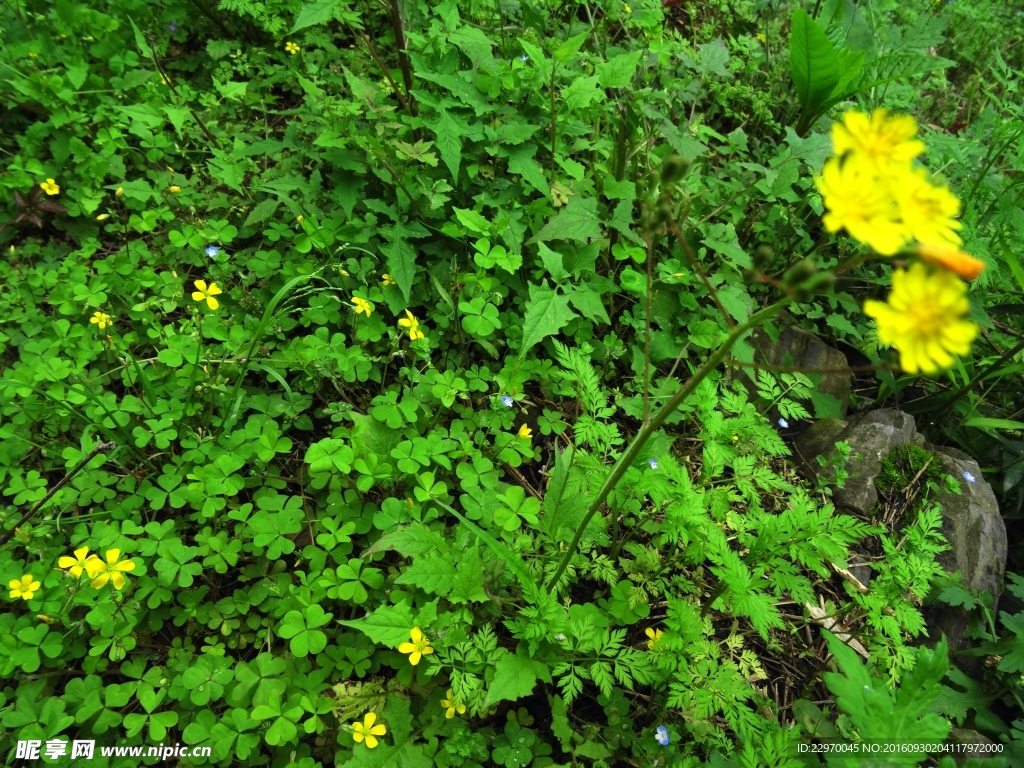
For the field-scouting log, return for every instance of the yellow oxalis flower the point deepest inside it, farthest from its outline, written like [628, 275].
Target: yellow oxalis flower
[77, 564]
[292, 48]
[525, 432]
[367, 730]
[388, 279]
[927, 210]
[654, 635]
[102, 319]
[879, 138]
[50, 187]
[412, 324]
[924, 318]
[952, 258]
[202, 293]
[451, 707]
[362, 305]
[418, 648]
[111, 571]
[25, 587]
[860, 204]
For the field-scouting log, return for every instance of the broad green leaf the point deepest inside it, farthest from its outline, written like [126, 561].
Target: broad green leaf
[411, 541]
[521, 162]
[618, 72]
[570, 47]
[432, 573]
[473, 221]
[449, 131]
[589, 303]
[389, 625]
[552, 262]
[813, 62]
[469, 577]
[231, 90]
[263, 211]
[577, 221]
[514, 677]
[547, 312]
[401, 260]
[316, 12]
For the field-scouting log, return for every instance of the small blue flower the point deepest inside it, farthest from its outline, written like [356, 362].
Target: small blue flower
[969, 477]
[172, 27]
[507, 401]
[212, 251]
[524, 58]
[652, 463]
[662, 735]
[783, 423]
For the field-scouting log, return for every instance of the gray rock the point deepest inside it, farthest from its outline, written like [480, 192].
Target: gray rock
[809, 352]
[965, 736]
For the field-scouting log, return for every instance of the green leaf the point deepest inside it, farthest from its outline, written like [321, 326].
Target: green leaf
[263, 211]
[577, 221]
[589, 303]
[813, 62]
[140, 40]
[521, 162]
[469, 577]
[552, 263]
[618, 72]
[401, 259]
[547, 312]
[515, 676]
[316, 12]
[432, 573]
[411, 541]
[986, 423]
[389, 625]
[449, 131]
[473, 221]
[570, 47]
[231, 90]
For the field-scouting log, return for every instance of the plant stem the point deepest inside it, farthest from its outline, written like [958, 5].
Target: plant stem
[403, 58]
[626, 459]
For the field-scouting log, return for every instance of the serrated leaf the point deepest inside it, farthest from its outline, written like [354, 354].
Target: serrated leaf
[449, 131]
[432, 573]
[389, 625]
[521, 162]
[473, 221]
[618, 72]
[316, 12]
[514, 677]
[552, 262]
[413, 540]
[469, 578]
[547, 312]
[570, 47]
[263, 211]
[401, 260]
[577, 221]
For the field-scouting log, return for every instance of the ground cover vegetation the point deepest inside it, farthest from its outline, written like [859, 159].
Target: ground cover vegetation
[378, 390]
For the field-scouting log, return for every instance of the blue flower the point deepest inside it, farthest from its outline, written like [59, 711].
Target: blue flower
[172, 27]
[652, 463]
[783, 423]
[662, 735]
[524, 58]
[969, 477]
[212, 251]
[507, 401]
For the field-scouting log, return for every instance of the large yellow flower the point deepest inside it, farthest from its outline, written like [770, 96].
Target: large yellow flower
[881, 139]
[367, 730]
[202, 293]
[25, 587]
[924, 318]
[952, 258]
[412, 324]
[450, 707]
[859, 202]
[110, 571]
[418, 648]
[928, 212]
[78, 563]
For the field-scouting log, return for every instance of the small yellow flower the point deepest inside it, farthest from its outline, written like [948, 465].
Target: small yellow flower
[858, 202]
[292, 48]
[761, 38]
[388, 279]
[735, 437]
[418, 648]
[102, 319]
[202, 293]
[50, 187]
[451, 707]
[367, 730]
[952, 258]
[881, 139]
[119, 192]
[362, 305]
[412, 324]
[627, 9]
[924, 318]
[654, 635]
[174, 189]
[525, 432]
[77, 564]
[300, 218]
[927, 210]
[25, 587]
[111, 571]
[103, 217]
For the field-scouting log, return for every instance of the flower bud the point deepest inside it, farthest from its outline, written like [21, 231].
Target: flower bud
[799, 272]
[763, 257]
[119, 192]
[103, 217]
[673, 169]
[175, 189]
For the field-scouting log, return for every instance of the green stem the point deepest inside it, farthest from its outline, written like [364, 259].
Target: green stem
[627, 458]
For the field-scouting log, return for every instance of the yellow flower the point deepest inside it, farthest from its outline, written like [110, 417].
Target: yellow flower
[627, 9]
[202, 293]
[362, 305]
[32, 54]
[103, 217]
[174, 189]
[654, 635]
[525, 432]
[952, 258]
[860, 203]
[418, 648]
[761, 38]
[367, 730]
[924, 318]
[76, 564]
[50, 187]
[102, 319]
[927, 211]
[119, 192]
[412, 324]
[292, 48]
[300, 218]
[110, 571]
[881, 139]
[25, 587]
[451, 707]
[388, 279]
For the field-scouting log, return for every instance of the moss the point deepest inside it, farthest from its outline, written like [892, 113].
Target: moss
[899, 469]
